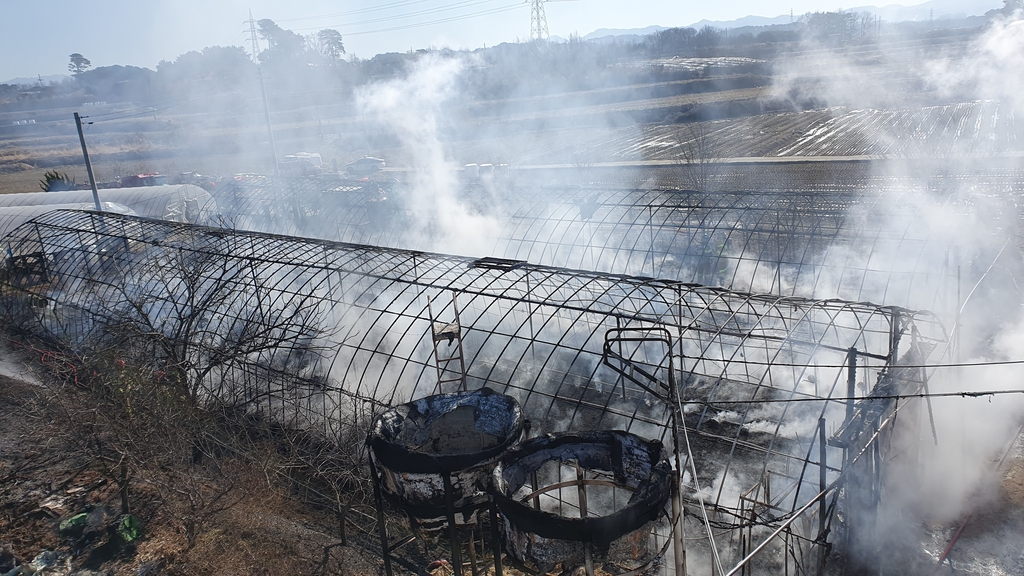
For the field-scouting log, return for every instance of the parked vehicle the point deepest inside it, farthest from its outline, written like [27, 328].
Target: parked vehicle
[301, 164]
[365, 166]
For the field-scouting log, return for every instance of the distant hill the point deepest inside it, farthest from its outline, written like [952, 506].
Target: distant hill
[605, 32]
[937, 9]
[33, 81]
[933, 9]
[745, 21]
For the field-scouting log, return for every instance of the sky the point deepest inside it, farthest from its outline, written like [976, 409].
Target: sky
[36, 37]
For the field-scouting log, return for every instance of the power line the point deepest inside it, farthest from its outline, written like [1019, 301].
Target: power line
[805, 365]
[406, 15]
[961, 394]
[440, 21]
[388, 6]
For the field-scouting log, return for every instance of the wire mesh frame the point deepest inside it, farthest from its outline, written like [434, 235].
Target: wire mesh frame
[861, 246]
[533, 332]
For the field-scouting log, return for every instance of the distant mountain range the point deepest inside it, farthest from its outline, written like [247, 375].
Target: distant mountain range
[933, 9]
[33, 81]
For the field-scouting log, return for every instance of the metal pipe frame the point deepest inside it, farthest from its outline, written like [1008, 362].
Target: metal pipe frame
[372, 338]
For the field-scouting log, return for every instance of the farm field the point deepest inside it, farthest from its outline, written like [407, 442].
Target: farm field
[962, 130]
[797, 240]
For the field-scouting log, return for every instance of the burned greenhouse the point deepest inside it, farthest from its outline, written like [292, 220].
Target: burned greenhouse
[875, 243]
[752, 395]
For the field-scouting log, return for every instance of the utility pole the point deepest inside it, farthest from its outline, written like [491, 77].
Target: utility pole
[88, 163]
[263, 91]
[538, 20]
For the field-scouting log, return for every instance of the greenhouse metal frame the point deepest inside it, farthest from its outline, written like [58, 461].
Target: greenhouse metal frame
[866, 245]
[755, 377]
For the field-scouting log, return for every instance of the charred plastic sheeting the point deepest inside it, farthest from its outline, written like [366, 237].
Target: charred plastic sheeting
[462, 434]
[619, 540]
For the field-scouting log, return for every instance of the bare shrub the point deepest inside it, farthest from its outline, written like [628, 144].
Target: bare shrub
[209, 322]
[699, 156]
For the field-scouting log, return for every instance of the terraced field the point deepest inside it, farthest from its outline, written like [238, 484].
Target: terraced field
[964, 129]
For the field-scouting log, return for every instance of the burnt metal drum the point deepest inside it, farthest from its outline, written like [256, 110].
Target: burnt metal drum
[620, 540]
[462, 434]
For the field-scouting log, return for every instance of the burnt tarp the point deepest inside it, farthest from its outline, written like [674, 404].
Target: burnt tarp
[462, 434]
[544, 538]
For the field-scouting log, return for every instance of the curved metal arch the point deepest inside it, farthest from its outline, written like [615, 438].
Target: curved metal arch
[740, 345]
[779, 242]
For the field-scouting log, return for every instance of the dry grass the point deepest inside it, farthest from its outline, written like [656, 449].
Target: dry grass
[264, 530]
[1013, 484]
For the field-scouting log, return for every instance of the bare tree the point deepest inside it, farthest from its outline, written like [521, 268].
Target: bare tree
[209, 321]
[581, 157]
[336, 469]
[166, 381]
[698, 156]
[184, 333]
[117, 414]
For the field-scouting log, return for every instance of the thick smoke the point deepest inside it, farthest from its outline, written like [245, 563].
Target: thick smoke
[946, 479]
[414, 109]
[992, 70]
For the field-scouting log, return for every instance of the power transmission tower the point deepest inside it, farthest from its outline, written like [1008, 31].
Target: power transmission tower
[538, 20]
[255, 43]
[263, 92]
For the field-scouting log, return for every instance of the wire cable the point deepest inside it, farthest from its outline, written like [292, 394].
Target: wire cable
[960, 394]
[696, 484]
[498, 10]
[388, 6]
[441, 21]
[425, 12]
[807, 365]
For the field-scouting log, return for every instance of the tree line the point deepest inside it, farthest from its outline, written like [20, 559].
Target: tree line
[318, 62]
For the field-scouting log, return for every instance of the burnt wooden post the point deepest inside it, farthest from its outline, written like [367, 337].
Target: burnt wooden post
[851, 382]
[822, 479]
[453, 533]
[382, 530]
[495, 539]
[822, 486]
[894, 340]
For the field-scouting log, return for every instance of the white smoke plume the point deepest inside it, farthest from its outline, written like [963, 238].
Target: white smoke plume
[941, 482]
[413, 108]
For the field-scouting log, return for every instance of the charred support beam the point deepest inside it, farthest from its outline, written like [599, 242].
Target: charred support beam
[822, 485]
[822, 470]
[495, 540]
[581, 491]
[382, 530]
[851, 382]
[472, 550]
[894, 342]
[453, 531]
[678, 522]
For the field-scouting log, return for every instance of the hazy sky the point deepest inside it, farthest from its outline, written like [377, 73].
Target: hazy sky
[36, 36]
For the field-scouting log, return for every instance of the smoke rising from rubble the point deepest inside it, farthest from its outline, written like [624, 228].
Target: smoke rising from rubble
[956, 475]
[413, 109]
